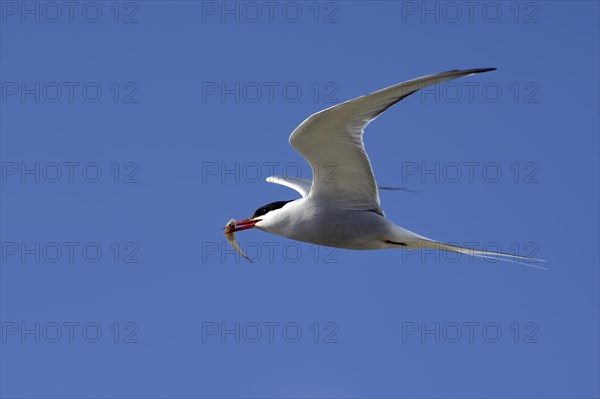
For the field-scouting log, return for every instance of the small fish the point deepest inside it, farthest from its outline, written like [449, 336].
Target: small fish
[229, 233]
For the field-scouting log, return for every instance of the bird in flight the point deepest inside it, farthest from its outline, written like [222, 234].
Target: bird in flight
[340, 207]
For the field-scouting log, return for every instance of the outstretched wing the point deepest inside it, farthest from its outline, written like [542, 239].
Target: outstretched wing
[331, 141]
[300, 184]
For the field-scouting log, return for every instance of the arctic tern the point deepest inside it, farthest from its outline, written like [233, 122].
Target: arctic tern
[342, 208]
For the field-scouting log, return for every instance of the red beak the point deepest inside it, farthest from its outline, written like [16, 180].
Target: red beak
[245, 224]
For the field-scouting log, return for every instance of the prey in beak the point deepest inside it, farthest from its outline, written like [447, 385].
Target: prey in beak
[233, 226]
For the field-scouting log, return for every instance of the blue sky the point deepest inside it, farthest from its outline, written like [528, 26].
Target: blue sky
[131, 132]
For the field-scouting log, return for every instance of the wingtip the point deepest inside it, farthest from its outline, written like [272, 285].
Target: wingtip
[481, 70]
[478, 70]
[391, 188]
[470, 71]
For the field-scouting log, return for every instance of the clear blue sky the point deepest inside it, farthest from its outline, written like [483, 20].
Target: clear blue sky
[131, 132]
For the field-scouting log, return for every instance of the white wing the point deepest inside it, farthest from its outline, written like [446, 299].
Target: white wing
[331, 141]
[301, 185]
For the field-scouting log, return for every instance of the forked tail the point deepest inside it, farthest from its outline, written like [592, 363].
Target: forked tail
[524, 260]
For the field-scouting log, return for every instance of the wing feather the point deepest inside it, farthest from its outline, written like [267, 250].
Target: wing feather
[331, 141]
[300, 184]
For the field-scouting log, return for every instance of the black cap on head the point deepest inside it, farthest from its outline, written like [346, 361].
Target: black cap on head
[263, 210]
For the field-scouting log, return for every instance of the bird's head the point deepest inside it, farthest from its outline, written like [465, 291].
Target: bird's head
[263, 217]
